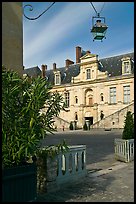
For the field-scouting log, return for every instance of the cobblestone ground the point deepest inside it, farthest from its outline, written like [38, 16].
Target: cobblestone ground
[115, 186]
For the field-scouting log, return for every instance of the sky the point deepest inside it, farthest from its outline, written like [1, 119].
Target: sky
[53, 37]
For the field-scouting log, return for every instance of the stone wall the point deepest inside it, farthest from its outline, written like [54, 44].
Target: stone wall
[115, 120]
[12, 36]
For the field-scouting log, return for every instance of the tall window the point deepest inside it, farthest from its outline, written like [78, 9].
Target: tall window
[113, 95]
[90, 101]
[88, 74]
[76, 116]
[126, 93]
[76, 99]
[126, 67]
[102, 99]
[57, 79]
[67, 99]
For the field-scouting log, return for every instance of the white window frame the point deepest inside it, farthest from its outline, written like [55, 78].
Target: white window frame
[57, 79]
[126, 67]
[88, 74]
[67, 99]
[112, 95]
[126, 94]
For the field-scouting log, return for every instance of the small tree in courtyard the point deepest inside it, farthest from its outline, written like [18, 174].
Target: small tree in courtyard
[128, 132]
[71, 126]
[85, 126]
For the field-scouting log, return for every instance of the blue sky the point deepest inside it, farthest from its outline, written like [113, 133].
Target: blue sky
[54, 36]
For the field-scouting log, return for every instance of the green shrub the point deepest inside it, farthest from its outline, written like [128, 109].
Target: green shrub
[71, 126]
[23, 123]
[85, 126]
[128, 131]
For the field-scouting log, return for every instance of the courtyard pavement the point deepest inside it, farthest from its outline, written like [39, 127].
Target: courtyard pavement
[107, 180]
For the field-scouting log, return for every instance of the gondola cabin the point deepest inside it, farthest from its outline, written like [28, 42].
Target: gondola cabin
[99, 28]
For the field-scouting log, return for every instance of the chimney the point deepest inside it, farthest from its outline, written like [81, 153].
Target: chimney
[44, 68]
[68, 62]
[54, 66]
[78, 54]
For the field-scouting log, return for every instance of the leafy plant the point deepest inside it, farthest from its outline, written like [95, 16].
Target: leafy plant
[128, 131]
[23, 122]
[85, 126]
[71, 126]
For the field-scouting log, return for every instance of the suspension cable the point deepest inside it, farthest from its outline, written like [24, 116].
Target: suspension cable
[96, 10]
[102, 7]
[31, 9]
[93, 7]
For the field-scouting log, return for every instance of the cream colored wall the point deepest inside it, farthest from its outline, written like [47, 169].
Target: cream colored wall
[101, 84]
[12, 36]
[95, 110]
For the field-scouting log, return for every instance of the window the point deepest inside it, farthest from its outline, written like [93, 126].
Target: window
[88, 74]
[113, 95]
[126, 93]
[90, 101]
[101, 115]
[102, 97]
[126, 67]
[67, 99]
[76, 116]
[76, 99]
[57, 79]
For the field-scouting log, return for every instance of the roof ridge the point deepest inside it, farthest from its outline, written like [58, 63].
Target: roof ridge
[117, 55]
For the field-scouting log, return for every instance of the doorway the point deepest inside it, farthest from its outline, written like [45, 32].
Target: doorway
[90, 119]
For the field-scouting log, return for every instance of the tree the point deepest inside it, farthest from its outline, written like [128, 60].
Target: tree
[85, 126]
[23, 123]
[71, 126]
[128, 131]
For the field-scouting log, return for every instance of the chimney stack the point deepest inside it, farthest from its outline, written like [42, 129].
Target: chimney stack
[44, 68]
[68, 62]
[78, 54]
[54, 66]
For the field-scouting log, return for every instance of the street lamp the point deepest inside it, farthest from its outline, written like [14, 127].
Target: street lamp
[99, 28]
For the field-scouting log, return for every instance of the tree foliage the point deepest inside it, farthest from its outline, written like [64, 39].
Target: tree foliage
[23, 123]
[71, 126]
[128, 131]
[85, 126]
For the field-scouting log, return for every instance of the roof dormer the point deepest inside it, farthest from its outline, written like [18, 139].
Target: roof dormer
[57, 75]
[126, 65]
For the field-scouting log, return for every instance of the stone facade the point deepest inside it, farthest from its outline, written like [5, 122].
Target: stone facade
[12, 36]
[89, 97]
[94, 89]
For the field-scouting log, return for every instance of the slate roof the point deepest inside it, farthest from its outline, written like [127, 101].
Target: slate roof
[113, 65]
[66, 74]
[32, 72]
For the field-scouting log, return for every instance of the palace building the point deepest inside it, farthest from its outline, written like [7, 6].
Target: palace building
[98, 91]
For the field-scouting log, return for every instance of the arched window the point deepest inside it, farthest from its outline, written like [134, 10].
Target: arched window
[76, 99]
[76, 116]
[90, 101]
[102, 99]
[89, 97]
